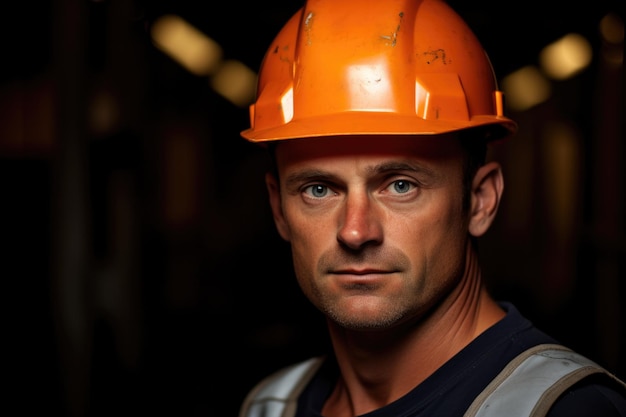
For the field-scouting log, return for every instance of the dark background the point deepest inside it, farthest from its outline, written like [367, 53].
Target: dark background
[141, 270]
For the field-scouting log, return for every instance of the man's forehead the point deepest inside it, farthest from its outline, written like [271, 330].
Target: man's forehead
[426, 147]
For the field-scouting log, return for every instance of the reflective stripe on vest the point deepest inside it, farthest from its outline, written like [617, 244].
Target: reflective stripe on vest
[531, 383]
[277, 395]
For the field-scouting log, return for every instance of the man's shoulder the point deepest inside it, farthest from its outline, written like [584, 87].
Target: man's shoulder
[551, 380]
[597, 396]
[281, 389]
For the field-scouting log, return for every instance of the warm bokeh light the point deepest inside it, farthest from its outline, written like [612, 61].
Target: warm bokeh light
[202, 56]
[236, 82]
[104, 113]
[561, 164]
[187, 45]
[566, 57]
[612, 28]
[525, 88]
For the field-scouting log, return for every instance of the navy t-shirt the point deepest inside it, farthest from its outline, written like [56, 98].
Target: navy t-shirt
[451, 389]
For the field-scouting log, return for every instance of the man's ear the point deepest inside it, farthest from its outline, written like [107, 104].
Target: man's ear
[273, 190]
[486, 193]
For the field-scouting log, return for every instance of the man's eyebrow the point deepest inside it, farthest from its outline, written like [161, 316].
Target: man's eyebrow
[316, 174]
[400, 166]
[306, 175]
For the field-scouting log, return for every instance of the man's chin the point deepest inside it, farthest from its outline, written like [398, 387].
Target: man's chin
[365, 316]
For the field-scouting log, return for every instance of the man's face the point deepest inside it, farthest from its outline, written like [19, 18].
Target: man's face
[376, 224]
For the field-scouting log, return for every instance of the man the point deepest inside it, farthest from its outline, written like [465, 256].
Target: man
[378, 115]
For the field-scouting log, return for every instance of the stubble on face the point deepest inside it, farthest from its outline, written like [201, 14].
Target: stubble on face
[363, 304]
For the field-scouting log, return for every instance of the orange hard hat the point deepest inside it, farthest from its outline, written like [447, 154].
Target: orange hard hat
[374, 67]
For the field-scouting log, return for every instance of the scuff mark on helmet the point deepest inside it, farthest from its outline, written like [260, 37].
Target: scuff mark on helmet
[285, 57]
[435, 55]
[308, 26]
[393, 38]
[282, 52]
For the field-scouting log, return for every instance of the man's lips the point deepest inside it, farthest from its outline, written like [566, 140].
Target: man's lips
[363, 269]
[367, 276]
[367, 271]
[360, 279]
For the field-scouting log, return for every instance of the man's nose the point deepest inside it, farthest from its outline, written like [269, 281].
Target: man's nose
[360, 222]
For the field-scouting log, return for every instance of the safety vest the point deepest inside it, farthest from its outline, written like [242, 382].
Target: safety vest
[526, 387]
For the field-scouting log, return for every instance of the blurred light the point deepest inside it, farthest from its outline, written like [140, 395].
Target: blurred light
[103, 113]
[235, 82]
[562, 176]
[612, 29]
[525, 88]
[566, 57]
[187, 45]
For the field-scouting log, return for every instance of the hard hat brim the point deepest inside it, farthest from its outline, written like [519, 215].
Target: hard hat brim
[370, 123]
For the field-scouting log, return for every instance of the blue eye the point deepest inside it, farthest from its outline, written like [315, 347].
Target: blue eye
[317, 190]
[402, 186]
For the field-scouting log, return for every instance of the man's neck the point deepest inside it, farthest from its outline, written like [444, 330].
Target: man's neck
[380, 367]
